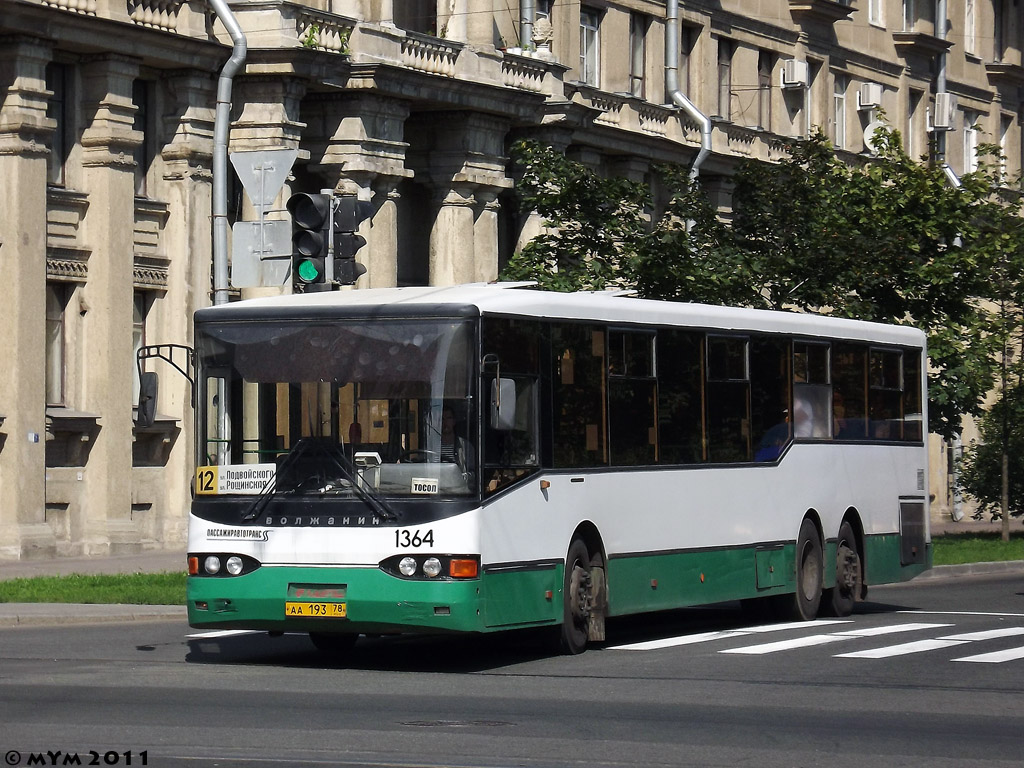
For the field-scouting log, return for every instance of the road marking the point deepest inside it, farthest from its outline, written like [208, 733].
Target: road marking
[704, 637]
[786, 645]
[875, 631]
[990, 634]
[965, 613]
[995, 657]
[901, 650]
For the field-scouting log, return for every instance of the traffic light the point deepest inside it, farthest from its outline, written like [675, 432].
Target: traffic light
[348, 214]
[311, 228]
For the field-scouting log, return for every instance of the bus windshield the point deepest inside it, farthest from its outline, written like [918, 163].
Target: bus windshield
[389, 399]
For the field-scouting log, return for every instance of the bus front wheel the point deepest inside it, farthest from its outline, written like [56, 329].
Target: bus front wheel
[577, 593]
[809, 573]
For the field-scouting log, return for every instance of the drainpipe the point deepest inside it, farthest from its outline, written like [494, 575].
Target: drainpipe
[675, 96]
[940, 87]
[221, 125]
[527, 14]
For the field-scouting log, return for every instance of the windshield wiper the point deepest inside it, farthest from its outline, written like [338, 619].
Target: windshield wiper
[340, 461]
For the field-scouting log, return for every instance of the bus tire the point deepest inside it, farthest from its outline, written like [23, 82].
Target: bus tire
[809, 573]
[334, 643]
[839, 600]
[577, 599]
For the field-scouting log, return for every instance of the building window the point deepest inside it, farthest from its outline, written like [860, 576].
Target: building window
[56, 302]
[590, 52]
[875, 14]
[545, 11]
[914, 101]
[687, 36]
[1005, 128]
[764, 90]
[725, 79]
[638, 25]
[971, 141]
[839, 112]
[970, 28]
[140, 309]
[57, 109]
[417, 16]
[142, 122]
[909, 20]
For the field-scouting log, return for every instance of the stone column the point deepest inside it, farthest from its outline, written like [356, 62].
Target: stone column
[485, 230]
[382, 240]
[24, 135]
[108, 142]
[452, 238]
[187, 188]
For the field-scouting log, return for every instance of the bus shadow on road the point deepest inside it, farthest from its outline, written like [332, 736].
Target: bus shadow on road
[476, 653]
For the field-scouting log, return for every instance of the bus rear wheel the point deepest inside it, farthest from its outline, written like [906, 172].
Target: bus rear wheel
[839, 600]
[809, 573]
[334, 643]
[577, 593]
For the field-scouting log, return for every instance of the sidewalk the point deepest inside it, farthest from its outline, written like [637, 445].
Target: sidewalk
[41, 614]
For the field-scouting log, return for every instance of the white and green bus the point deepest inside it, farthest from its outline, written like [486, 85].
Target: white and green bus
[483, 458]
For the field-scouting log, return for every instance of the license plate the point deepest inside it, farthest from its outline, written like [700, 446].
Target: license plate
[315, 610]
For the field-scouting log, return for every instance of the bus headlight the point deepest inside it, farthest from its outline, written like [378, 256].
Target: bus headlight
[212, 564]
[431, 566]
[407, 566]
[234, 565]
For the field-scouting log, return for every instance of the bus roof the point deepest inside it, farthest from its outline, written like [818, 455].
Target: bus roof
[517, 299]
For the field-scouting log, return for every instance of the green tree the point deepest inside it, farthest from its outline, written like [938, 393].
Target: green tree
[982, 467]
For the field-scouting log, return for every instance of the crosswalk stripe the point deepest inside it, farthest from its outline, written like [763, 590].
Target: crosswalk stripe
[990, 634]
[875, 631]
[995, 657]
[901, 650]
[785, 645]
[704, 637]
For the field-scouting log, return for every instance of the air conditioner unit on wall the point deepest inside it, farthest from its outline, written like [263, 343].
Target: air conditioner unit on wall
[944, 114]
[794, 73]
[869, 96]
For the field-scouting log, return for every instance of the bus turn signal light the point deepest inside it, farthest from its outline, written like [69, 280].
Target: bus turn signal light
[464, 569]
[193, 566]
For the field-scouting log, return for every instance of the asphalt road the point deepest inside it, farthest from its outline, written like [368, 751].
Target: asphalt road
[928, 674]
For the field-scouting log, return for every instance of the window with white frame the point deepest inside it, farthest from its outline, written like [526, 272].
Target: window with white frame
[909, 16]
[876, 16]
[970, 28]
[970, 140]
[638, 26]
[914, 101]
[1005, 129]
[839, 111]
[590, 53]
[140, 308]
[142, 122]
[57, 295]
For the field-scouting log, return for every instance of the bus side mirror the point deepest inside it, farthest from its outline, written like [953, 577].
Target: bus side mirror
[503, 404]
[148, 385]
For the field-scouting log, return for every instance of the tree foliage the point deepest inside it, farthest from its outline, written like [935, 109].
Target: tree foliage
[982, 464]
[890, 240]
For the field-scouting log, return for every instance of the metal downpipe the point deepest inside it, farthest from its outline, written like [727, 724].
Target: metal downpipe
[221, 126]
[676, 96]
[527, 14]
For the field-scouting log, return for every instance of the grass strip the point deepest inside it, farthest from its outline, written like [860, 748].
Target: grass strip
[977, 547]
[99, 588]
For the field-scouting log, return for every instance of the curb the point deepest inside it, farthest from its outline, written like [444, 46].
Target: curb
[999, 568]
[50, 614]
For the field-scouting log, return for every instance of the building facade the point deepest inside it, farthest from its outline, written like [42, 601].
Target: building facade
[107, 133]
